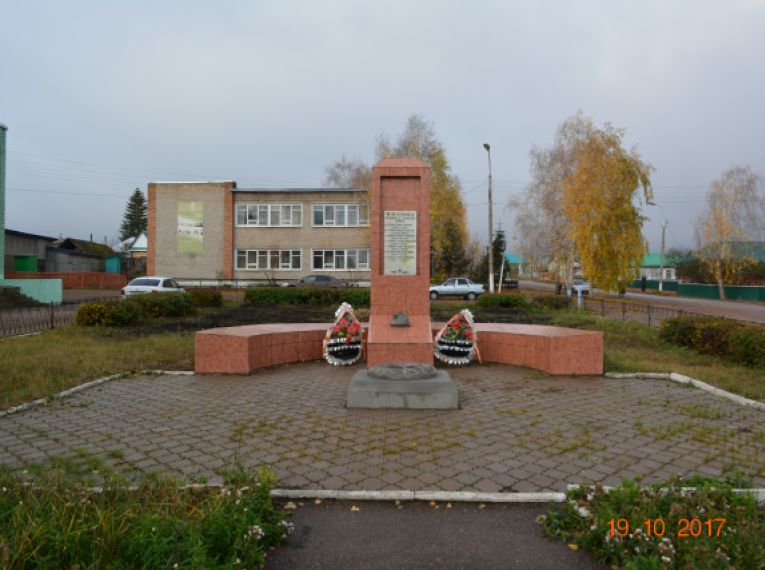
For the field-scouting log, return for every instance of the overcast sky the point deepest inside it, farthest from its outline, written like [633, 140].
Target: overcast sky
[102, 97]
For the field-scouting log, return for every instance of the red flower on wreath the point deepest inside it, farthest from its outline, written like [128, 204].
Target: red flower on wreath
[347, 328]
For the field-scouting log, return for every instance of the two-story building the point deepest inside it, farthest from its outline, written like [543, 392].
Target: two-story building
[215, 230]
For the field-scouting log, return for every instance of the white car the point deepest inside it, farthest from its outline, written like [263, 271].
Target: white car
[457, 287]
[578, 285]
[153, 284]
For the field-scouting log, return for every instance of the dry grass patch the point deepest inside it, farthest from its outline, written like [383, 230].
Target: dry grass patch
[38, 366]
[633, 347]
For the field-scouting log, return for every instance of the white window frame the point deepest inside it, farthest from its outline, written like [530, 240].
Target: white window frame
[338, 211]
[267, 255]
[268, 210]
[337, 253]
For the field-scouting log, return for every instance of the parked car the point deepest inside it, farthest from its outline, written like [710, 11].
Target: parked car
[152, 284]
[580, 285]
[510, 283]
[318, 281]
[457, 287]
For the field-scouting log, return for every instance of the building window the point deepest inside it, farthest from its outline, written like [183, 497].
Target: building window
[276, 259]
[340, 259]
[269, 215]
[344, 215]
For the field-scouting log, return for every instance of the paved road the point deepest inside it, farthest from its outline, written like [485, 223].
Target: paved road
[752, 312]
[416, 535]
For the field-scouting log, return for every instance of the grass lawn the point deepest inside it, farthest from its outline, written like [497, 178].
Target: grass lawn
[633, 347]
[59, 523]
[40, 365]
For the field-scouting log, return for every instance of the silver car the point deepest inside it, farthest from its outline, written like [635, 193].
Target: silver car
[457, 287]
[153, 284]
[580, 285]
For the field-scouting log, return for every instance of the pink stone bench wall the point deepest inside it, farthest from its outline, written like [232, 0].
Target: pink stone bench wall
[240, 350]
[555, 350]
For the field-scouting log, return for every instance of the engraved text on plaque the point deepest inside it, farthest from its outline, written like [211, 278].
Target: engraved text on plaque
[400, 243]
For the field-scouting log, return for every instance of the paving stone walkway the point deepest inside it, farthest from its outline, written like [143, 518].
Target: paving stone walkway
[517, 430]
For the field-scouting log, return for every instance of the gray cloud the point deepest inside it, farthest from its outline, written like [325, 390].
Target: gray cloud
[102, 97]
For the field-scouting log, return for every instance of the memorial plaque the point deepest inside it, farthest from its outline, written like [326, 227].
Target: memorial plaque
[400, 243]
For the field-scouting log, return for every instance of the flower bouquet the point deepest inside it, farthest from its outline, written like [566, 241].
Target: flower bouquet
[343, 341]
[456, 342]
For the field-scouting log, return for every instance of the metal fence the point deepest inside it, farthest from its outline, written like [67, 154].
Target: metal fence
[28, 320]
[621, 309]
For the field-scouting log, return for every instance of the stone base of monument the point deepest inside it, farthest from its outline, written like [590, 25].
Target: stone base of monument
[408, 386]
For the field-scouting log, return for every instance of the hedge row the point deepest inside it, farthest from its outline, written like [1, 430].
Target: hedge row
[503, 301]
[555, 302]
[739, 342]
[130, 310]
[517, 302]
[206, 298]
[307, 296]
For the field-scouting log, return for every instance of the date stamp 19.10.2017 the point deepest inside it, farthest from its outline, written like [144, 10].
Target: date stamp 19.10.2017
[684, 528]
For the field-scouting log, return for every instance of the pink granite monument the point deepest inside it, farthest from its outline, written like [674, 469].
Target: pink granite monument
[400, 370]
[400, 236]
[400, 247]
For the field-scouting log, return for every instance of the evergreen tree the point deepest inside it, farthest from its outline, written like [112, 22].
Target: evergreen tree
[135, 219]
[498, 247]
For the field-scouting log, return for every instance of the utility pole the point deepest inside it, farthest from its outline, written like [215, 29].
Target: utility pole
[661, 255]
[491, 226]
[3, 128]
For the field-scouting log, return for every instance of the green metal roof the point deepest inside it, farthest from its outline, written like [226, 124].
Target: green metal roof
[653, 260]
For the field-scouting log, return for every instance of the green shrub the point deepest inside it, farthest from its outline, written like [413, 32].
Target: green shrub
[504, 301]
[358, 297]
[307, 296]
[554, 302]
[747, 346]
[91, 314]
[736, 341]
[712, 336]
[679, 331]
[122, 313]
[157, 305]
[206, 298]
[130, 310]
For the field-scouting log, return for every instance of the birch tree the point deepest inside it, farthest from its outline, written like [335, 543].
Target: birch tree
[346, 173]
[735, 212]
[447, 210]
[542, 227]
[602, 198]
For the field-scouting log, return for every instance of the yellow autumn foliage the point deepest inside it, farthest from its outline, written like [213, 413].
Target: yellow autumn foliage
[599, 199]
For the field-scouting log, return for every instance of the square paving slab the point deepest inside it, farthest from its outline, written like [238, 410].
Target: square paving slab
[516, 430]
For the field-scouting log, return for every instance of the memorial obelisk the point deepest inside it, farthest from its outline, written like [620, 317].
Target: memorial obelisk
[400, 338]
[400, 236]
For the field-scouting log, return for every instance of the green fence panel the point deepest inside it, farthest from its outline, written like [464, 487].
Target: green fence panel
[654, 284]
[732, 292]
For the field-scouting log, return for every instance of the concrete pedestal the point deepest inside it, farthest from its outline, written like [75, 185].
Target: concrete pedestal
[436, 393]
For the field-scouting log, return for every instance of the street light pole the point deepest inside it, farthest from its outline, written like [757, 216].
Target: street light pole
[661, 256]
[491, 226]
